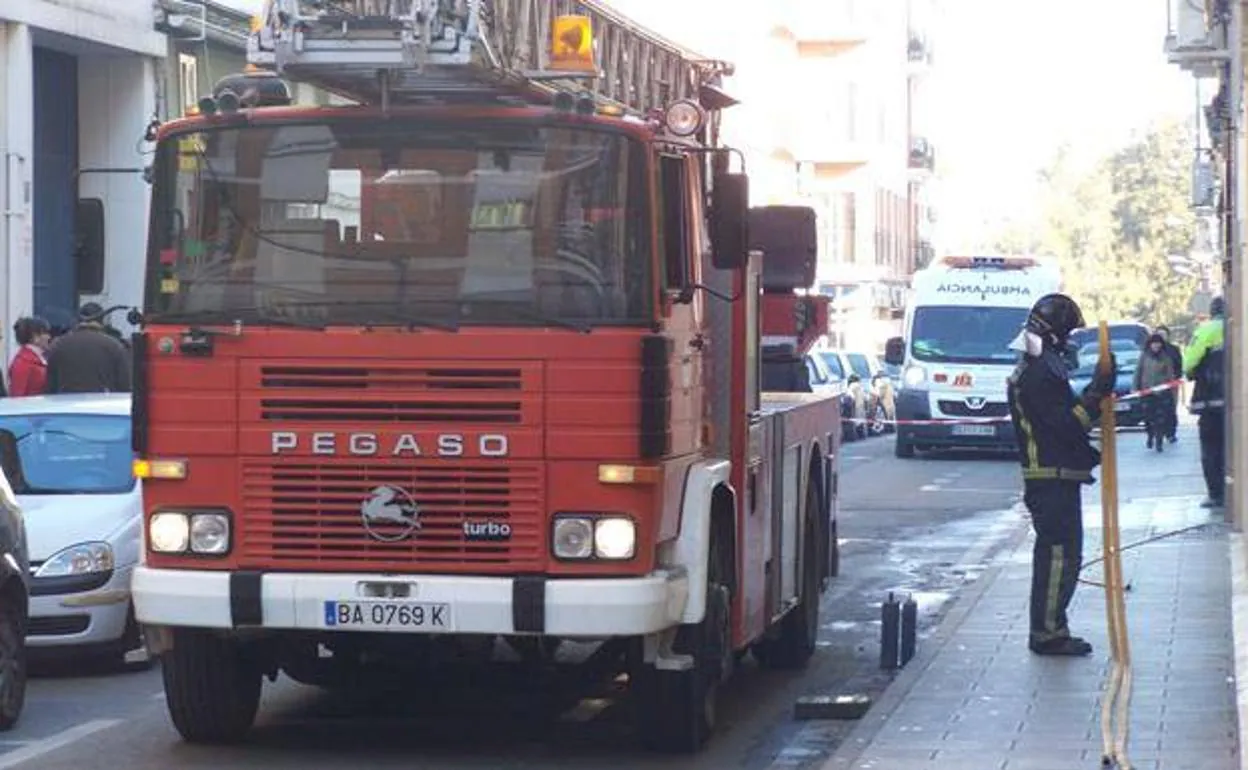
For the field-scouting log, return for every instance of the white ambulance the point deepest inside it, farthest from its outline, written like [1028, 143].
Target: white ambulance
[962, 315]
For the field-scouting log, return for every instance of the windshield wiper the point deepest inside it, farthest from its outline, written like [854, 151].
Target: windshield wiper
[523, 309]
[389, 311]
[231, 317]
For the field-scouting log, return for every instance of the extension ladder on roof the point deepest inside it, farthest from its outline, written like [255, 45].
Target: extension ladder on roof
[394, 51]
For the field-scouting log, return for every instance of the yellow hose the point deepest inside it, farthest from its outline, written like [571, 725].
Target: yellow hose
[1114, 721]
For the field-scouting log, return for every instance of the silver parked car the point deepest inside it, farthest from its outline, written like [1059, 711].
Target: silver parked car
[83, 511]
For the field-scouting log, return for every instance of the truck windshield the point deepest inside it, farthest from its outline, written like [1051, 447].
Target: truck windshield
[966, 335]
[384, 222]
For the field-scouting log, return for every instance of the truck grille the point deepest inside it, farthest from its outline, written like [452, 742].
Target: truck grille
[960, 409]
[395, 394]
[306, 515]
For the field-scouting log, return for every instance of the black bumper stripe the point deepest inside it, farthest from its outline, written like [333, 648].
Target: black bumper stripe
[528, 604]
[245, 608]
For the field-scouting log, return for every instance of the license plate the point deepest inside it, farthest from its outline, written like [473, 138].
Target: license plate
[388, 615]
[974, 430]
[1122, 406]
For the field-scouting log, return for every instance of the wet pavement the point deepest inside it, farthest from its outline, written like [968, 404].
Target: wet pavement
[977, 698]
[926, 526]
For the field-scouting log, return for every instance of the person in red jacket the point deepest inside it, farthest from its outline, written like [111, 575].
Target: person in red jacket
[28, 372]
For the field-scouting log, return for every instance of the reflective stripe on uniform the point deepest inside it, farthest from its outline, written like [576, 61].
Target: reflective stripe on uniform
[1083, 417]
[1035, 473]
[1053, 594]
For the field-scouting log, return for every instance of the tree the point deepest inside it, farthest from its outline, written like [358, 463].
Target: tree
[1113, 227]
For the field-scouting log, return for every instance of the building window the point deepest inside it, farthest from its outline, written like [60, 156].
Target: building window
[188, 80]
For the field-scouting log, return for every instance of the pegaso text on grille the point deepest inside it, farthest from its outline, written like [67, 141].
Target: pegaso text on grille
[398, 445]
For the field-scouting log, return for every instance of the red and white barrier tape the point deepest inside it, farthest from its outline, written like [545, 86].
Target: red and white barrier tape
[1172, 385]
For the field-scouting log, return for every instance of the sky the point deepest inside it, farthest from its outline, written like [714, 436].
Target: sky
[1012, 81]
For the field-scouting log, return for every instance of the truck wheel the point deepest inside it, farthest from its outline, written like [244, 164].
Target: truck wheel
[903, 449]
[799, 629]
[211, 691]
[676, 710]
[12, 660]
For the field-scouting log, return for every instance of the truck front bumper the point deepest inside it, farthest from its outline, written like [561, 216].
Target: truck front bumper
[565, 607]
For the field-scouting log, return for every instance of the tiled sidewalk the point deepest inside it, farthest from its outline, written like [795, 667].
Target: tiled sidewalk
[976, 699]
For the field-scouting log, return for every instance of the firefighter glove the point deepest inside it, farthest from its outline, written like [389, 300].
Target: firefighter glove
[1102, 383]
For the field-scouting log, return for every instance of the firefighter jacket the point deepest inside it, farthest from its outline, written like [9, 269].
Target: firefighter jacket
[1204, 362]
[1051, 424]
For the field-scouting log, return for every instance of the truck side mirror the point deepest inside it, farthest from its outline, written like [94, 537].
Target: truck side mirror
[895, 351]
[730, 230]
[788, 236]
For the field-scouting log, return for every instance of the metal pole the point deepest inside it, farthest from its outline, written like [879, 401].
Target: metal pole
[1236, 338]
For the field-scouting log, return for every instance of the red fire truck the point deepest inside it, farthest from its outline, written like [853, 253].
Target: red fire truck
[475, 355]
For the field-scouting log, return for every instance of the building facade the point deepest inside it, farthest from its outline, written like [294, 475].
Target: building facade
[78, 86]
[861, 155]
[1206, 38]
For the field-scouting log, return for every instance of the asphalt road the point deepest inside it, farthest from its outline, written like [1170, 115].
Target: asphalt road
[923, 526]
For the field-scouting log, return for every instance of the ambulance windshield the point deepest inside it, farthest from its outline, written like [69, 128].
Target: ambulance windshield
[966, 335]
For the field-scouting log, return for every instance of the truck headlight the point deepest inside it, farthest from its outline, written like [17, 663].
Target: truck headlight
[913, 376]
[81, 559]
[174, 532]
[581, 536]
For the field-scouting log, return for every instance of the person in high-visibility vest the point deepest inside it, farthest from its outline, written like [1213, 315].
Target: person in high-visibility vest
[1204, 362]
[1057, 456]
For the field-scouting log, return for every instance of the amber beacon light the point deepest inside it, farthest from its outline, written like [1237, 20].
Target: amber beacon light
[572, 44]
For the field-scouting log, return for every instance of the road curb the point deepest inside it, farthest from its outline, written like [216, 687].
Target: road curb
[1236, 542]
[859, 739]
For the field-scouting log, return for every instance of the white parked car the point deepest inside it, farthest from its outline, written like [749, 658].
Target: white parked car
[83, 511]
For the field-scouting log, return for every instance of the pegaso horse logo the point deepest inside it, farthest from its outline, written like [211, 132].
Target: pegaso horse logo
[390, 514]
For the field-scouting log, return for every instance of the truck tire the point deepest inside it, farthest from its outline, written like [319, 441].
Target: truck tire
[677, 710]
[211, 691]
[799, 629]
[12, 659]
[903, 449]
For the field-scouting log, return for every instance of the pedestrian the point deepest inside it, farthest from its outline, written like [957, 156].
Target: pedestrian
[28, 371]
[1057, 456]
[1204, 363]
[1176, 355]
[88, 359]
[1156, 368]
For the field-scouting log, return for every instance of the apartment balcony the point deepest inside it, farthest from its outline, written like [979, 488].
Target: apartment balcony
[835, 25]
[924, 253]
[830, 148]
[1196, 38]
[919, 53]
[922, 156]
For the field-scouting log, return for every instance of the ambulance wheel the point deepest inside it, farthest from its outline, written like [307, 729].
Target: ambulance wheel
[210, 689]
[793, 647]
[677, 710]
[903, 449]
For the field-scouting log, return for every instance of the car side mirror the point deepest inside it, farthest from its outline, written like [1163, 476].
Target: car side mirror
[730, 228]
[895, 351]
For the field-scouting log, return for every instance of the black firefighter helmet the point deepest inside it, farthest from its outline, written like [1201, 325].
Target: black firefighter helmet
[1054, 317]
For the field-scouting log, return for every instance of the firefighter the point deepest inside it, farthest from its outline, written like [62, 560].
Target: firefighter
[1057, 456]
[1204, 362]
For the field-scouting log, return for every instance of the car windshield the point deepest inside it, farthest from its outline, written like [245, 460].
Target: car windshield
[399, 222]
[71, 454]
[1126, 354]
[966, 335]
[833, 362]
[858, 362]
